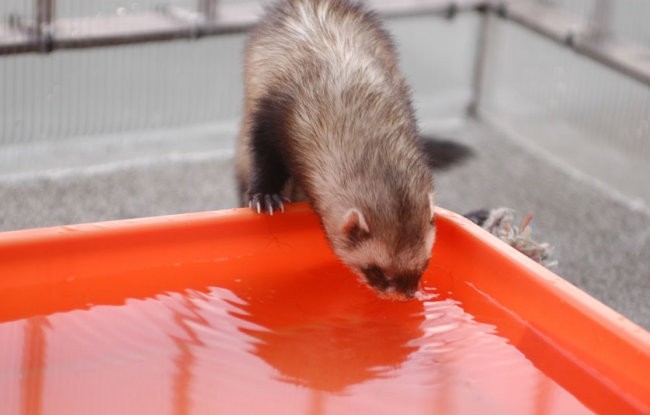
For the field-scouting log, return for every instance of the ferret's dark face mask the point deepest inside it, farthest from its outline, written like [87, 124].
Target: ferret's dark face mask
[401, 286]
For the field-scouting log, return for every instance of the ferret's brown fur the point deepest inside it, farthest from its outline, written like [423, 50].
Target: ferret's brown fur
[328, 118]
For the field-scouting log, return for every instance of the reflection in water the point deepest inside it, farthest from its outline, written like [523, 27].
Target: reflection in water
[34, 354]
[317, 335]
[186, 358]
[315, 342]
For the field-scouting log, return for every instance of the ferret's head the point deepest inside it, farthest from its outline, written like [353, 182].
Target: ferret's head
[388, 248]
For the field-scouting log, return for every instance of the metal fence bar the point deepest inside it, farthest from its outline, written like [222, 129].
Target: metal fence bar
[209, 9]
[44, 21]
[480, 57]
[601, 21]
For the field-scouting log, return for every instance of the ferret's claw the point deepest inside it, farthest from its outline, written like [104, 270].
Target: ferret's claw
[271, 203]
[255, 203]
[279, 201]
[268, 201]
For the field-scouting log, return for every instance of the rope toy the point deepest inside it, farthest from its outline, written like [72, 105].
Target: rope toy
[500, 223]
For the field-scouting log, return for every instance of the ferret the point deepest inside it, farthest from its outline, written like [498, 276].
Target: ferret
[328, 118]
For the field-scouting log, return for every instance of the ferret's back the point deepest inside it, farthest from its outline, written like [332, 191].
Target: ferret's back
[341, 33]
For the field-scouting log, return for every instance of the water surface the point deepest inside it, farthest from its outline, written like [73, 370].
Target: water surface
[312, 342]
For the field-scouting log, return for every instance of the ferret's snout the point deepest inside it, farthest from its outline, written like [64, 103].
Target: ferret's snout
[393, 294]
[405, 295]
[410, 293]
[407, 285]
[403, 287]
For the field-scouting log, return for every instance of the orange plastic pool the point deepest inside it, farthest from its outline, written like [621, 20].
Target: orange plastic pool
[230, 312]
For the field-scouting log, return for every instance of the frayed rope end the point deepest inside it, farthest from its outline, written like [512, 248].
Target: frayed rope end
[500, 222]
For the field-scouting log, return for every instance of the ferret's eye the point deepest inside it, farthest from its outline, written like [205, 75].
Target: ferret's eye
[376, 277]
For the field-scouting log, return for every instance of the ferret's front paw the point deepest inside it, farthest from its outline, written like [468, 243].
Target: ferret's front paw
[261, 202]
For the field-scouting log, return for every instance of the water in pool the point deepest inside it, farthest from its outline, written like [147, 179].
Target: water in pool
[314, 342]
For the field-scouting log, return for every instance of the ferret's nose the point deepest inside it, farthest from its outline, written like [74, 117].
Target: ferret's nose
[401, 295]
[407, 285]
[410, 293]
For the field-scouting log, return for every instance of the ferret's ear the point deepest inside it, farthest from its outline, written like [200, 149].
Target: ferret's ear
[355, 228]
[432, 206]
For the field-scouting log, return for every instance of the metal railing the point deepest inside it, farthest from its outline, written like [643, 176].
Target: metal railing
[582, 37]
[44, 33]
